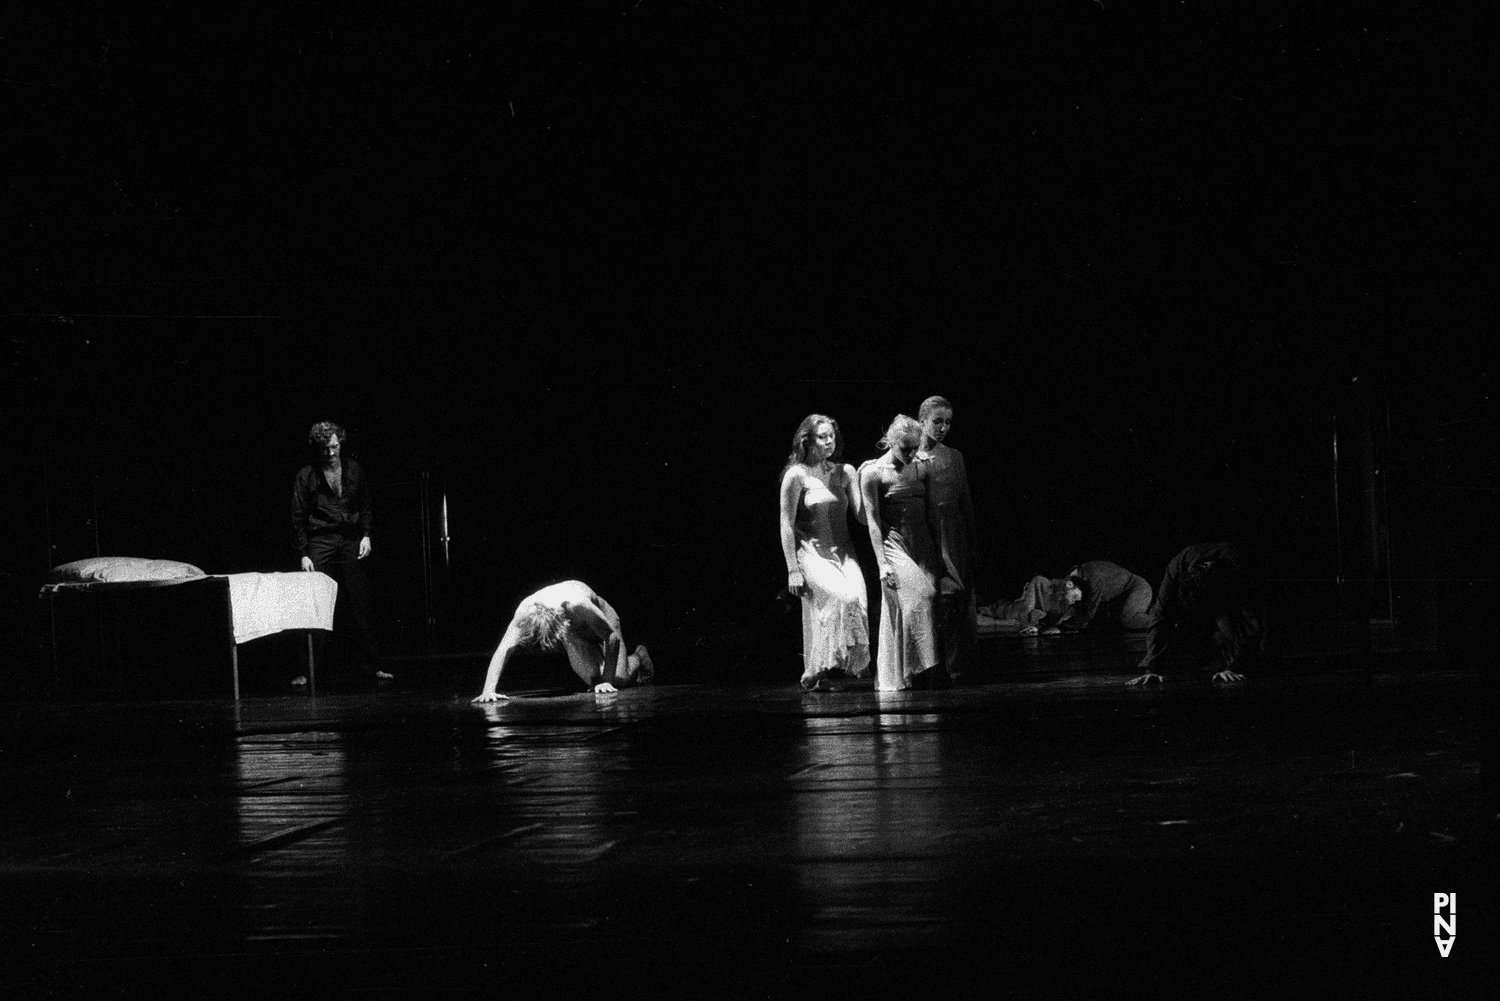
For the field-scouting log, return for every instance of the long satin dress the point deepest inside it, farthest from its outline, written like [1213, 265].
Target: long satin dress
[908, 628]
[835, 611]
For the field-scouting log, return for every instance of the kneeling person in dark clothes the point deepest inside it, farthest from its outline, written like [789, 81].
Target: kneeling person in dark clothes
[1206, 613]
[332, 518]
[1112, 597]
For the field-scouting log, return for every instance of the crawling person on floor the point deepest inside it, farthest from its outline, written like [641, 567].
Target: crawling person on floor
[570, 615]
[1044, 604]
[1208, 613]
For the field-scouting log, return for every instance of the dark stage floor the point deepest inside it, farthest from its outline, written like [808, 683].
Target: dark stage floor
[1045, 829]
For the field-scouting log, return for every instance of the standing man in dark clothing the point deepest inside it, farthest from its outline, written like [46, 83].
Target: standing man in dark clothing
[331, 519]
[1207, 612]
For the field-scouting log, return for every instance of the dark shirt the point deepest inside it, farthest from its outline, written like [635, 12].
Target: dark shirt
[1100, 581]
[317, 510]
[1200, 582]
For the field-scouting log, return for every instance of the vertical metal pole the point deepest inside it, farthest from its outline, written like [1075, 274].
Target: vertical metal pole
[312, 677]
[446, 565]
[234, 648]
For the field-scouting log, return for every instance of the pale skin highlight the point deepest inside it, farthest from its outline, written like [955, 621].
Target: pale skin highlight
[595, 647]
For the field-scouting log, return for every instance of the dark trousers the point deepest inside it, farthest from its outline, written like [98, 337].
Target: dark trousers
[1231, 639]
[354, 612]
[957, 626]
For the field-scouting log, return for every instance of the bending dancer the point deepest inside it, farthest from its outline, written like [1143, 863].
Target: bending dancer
[572, 616]
[1205, 613]
[1044, 604]
[900, 522]
[1110, 596]
[817, 497]
[331, 520]
[953, 514]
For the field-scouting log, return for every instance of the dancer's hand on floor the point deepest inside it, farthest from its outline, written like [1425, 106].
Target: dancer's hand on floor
[1227, 675]
[605, 688]
[1145, 679]
[1029, 630]
[489, 697]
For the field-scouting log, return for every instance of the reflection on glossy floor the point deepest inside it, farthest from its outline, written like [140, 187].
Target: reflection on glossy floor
[748, 838]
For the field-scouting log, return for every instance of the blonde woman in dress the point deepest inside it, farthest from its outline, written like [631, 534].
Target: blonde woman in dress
[818, 494]
[895, 490]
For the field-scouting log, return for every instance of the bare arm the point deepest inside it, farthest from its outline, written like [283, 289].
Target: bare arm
[497, 664]
[869, 488]
[856, 497]
[587, 617]
[791, 496]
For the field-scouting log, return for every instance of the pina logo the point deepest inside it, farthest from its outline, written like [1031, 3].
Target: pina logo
[1445, 925]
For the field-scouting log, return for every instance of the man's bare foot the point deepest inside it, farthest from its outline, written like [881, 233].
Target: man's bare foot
[1227, 675]
[1029, 630]
[300, 681]
[489, 697]
[1054, 631]
[384, 676]
[1145, 679]
[645, 670]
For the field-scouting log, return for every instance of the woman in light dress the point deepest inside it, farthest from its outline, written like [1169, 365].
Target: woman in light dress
[818, 494]
[895, 491]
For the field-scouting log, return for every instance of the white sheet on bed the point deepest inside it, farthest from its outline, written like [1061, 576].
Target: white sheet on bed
[266, 603]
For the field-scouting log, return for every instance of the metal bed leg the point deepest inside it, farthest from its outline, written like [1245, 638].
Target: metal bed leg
[312, 683]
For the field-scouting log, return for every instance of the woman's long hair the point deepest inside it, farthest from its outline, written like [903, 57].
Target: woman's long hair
[806, 431]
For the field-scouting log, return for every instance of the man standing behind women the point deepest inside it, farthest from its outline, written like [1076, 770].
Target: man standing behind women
[953, 515]
[895, 490]
[817, 496]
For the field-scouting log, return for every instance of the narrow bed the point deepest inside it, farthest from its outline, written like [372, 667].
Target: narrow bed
[233, 608]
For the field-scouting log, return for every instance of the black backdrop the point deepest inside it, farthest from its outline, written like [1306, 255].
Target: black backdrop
[586, 269]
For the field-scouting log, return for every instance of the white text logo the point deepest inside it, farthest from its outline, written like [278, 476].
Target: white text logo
[1444, 925]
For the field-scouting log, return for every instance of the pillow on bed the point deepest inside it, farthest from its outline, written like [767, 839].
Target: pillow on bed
[118, 569]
